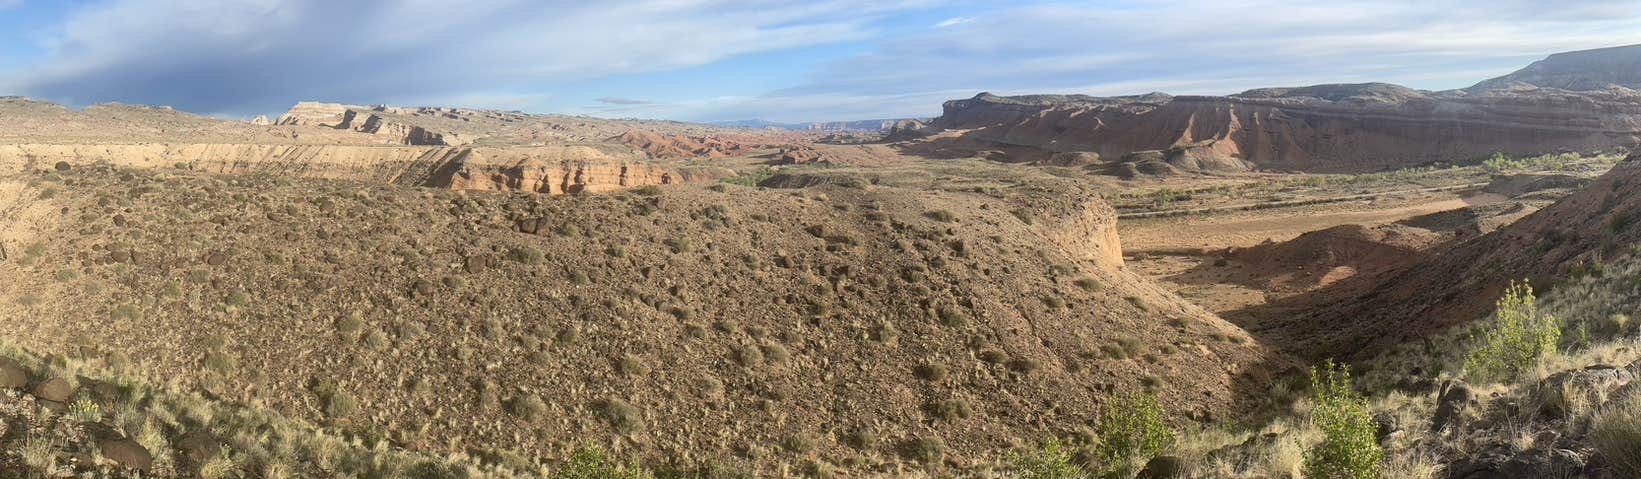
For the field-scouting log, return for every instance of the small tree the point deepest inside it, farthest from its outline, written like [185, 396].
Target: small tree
[1515, 339]
[1350, 447]
[1131, 432]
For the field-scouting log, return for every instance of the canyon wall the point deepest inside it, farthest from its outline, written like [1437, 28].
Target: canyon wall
[1331, 128]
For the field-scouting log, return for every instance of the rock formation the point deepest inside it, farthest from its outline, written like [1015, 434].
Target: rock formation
[1574, 101]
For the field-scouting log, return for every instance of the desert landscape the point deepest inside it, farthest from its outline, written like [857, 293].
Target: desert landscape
[1334, 281]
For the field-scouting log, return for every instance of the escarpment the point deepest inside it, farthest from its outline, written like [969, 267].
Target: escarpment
[546, 170]
[1330, 128]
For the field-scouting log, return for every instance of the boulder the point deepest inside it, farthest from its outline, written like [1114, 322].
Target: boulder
[1455, 397]
[54, 389]
[12, 374]
[126, 452]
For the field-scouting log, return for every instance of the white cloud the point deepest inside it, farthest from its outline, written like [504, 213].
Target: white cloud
[10, 4]
[952, 22]
[258, 54]
[1221, 47]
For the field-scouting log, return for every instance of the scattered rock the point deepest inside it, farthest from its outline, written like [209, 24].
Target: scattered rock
[1502, 461]
[62, 166]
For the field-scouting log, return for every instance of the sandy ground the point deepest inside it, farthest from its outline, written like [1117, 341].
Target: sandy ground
[1248, 228]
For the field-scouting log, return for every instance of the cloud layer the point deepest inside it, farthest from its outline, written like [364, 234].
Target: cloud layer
[252, 55]
[882, 59]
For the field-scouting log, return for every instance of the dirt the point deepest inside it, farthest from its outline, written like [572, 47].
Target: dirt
[678, 323]
[1248, 229]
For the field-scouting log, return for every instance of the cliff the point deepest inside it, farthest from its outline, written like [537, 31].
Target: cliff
[1329, 128]
[1577, 101]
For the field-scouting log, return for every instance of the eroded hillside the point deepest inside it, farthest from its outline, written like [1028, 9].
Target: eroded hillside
[886, 328]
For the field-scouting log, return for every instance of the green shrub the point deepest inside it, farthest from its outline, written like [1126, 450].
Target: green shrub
[1131, 432]
[1515, 339]
[592, 463]
[1617, 434]
[1350, 445]
[1052, 461]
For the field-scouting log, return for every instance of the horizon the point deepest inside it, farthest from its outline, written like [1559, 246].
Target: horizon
[781, 62]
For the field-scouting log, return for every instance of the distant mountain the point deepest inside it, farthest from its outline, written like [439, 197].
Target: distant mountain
[1584, 70]
[1583, 101]
[858, 125]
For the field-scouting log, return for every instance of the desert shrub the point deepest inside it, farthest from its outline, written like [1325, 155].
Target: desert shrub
[85, 410]
[526, 255]
[1617, 434]
[926, 449]
[1517, 336]
[679, 245]
[340, 404]
[593, 463]
[1350, 446]
[1131, 432]
[942, 216]
[622, 415]
[650, 190]
[529, 407]
[1054, 460]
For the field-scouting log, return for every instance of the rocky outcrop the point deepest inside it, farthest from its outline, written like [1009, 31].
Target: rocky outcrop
[1330, 128]
[368, 120]
[548, 170]
[1578, 101]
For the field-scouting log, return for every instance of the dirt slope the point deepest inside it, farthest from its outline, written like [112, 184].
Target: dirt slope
[870, 328]
[1460, 282]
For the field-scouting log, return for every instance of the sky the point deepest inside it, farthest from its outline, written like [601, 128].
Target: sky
[778, 60]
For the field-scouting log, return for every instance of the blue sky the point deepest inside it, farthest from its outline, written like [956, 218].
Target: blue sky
[784, 60]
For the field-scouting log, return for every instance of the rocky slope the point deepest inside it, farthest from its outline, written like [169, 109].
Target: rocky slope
[1457, 283]
[1586, 70]
[1323, 128]
[872, 329]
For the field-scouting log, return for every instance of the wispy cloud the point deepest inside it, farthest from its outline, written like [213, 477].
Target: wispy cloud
[805, 60]
[260, 54]
[615, 100]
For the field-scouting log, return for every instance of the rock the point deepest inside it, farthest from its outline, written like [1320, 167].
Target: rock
[62, 166]
[12, 374]
[1454, 399]
[199, 446]
[1388, 424]
[1568, 392]
[1163, 467]
[127, 453]
[54, 389]
[1503, 461]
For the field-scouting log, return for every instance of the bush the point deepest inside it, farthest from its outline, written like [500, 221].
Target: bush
[1131, 432]
[1053, 461]
[1517, 337]
[1617, 434]
[1350, 446]
[592, 463]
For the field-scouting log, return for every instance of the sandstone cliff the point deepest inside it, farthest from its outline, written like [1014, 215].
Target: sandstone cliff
[1345, 128]
[1574, 101]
